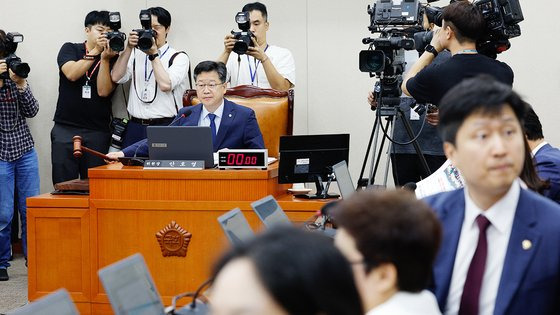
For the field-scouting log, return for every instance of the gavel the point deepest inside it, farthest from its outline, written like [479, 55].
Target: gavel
[78, 148]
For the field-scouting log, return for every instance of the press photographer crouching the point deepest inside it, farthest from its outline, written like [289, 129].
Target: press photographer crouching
[19, 166]
[462, 25]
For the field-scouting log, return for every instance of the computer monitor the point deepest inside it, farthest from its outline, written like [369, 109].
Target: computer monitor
[56, 303]
[310, 159]
[130, 287]
[270, 212]
[343, 179]
[235, 226]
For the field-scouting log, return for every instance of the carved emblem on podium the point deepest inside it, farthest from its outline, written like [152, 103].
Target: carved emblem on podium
[173, 240]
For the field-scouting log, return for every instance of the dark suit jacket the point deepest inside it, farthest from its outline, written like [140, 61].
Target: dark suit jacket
[530, 280]
[547, 161]
[238, 129]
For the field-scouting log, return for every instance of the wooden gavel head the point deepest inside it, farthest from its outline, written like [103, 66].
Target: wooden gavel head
[77, 146]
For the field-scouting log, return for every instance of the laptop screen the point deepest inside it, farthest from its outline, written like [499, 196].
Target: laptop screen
[236, 227]
[269, 211]
[181, 143]
[343, 179]
[130, 287]
[56, 303]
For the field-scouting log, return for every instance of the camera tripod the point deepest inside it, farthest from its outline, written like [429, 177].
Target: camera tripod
[389, 113]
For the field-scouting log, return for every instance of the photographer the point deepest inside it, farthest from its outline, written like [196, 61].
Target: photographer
[159, 77]
[19, 166]
[264, 65]
[462, 24]
[84, 100]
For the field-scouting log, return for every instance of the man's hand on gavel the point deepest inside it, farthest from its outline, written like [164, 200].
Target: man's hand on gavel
[114, 156]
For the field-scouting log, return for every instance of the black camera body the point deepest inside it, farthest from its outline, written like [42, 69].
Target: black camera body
[146, 34]
[244, 37]
[115, 37]
[13, 62]
[118, 126]
[395, 23]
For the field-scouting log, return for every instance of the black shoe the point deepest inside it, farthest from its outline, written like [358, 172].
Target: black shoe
[4, 275]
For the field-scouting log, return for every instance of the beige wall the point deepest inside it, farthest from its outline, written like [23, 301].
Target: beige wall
[324, 36]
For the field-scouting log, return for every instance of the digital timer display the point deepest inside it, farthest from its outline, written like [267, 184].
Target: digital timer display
[239, 158]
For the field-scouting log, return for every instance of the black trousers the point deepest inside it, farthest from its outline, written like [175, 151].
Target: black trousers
[136, 131]
[407, 167]
[64, 165]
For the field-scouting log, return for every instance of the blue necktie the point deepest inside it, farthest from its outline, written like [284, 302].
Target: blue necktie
[213, 127]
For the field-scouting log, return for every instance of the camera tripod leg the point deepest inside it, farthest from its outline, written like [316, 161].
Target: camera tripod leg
[361, 180]
[415, 144]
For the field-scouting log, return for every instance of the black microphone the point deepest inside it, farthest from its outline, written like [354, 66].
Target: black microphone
[184, 115]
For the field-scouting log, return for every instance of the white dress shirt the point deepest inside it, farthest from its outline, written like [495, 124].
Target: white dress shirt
[143, 88]
[501, 216]
[241, 68]
[204, 120]
[406, 303]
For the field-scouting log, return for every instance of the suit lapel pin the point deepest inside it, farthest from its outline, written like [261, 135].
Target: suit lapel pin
[229, 115]
[526, 244]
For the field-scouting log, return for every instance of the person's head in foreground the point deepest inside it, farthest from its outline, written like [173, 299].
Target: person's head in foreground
[481, 126]
[284, 271]
[391, 239]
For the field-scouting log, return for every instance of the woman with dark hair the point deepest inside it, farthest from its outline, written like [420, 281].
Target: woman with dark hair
[284, 271]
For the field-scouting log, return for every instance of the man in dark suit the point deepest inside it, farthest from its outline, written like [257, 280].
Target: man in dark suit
[233, 126]
[500, 252]
[545, 156]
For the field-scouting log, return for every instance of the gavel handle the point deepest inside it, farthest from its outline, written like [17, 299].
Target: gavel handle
[97, 153]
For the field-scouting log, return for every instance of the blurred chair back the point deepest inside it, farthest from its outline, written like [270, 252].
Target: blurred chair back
[274, 110]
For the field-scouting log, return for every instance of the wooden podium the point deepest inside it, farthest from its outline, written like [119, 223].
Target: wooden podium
[158, 213]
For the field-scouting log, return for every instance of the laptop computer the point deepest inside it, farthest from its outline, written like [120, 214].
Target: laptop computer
[56, 303]
[130, 287]
[343, 179]
[235, 226]
[181, 143]
[269, 211]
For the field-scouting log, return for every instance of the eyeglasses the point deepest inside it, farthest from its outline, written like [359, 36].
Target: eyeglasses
[211, 86]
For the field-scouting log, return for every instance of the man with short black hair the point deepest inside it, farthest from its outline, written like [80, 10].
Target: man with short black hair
[545, 156]
[84, 100]
[500, 252]
[159, 79]
[391, 240]
[264, 65]
[462, 24]
[234, 126]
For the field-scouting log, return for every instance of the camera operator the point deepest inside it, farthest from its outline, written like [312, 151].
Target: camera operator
[405, 162]
[159, 77]
[264, 65]
[19, 166]
[84, 100]
[462, 24]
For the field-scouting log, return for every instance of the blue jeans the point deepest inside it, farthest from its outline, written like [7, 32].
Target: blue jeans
[23, 174]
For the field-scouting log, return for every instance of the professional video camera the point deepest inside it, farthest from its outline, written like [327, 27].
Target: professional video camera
[116, 39]
[146, 34]
[395, 24]
[21, 69]
[502, 18]
[244, 37]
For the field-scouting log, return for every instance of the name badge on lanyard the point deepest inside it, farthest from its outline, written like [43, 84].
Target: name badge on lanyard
[86, 90]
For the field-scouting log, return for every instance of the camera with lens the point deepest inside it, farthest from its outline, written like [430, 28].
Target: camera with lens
[501, 16]
[118, 125]
[396, 24]
[115, 37]
[13, 62]
[244, 37]
[146, 34]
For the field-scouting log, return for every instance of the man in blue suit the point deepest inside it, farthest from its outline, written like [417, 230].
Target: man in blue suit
[546, 157]
[500, 252]
[233, 126]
